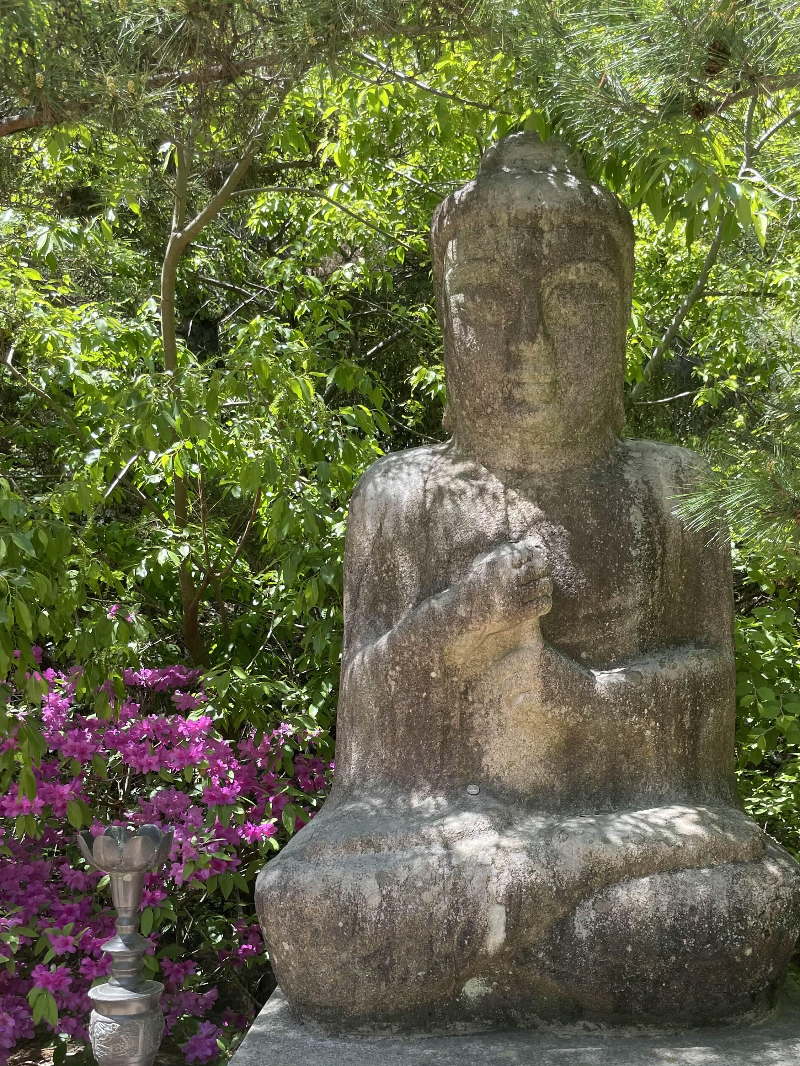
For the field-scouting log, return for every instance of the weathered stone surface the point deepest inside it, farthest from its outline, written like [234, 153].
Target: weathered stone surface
[276, 1038]
[534, 815]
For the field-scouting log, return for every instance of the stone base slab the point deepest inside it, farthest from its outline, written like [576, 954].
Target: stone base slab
[276, 1039]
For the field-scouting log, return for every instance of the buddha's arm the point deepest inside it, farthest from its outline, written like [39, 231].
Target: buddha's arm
[503, 589]
[696, 676]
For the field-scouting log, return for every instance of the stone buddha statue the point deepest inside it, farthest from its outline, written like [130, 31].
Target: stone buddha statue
[534, 817]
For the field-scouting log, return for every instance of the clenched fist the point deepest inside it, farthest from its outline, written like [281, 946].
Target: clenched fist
[514, 580]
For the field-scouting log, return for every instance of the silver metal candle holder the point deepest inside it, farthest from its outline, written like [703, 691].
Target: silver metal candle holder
[127, 1022]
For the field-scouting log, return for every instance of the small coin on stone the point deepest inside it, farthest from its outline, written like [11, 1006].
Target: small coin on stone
[473, 789]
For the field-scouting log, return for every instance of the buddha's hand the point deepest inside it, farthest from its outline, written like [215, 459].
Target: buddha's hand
[514, 579]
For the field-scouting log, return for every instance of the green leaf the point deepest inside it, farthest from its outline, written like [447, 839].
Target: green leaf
[147, 921]
[760, 224]
[27, 783]
[23, 616]
[45, 1009]
[697, 191]
[288, 818]
[250, 478]
[743, 211]
[74, 814]
[537, 123]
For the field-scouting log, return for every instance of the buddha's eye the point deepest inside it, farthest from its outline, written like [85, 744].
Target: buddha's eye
[483, 300]
[575, 295]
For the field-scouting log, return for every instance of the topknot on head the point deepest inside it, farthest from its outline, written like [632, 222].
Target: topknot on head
[522, 178]
[528, 153]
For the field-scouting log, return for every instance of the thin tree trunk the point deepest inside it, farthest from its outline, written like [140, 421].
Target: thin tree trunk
[181, 236]
[190, 611]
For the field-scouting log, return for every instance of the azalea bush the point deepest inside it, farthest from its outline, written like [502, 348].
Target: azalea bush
[160, 753]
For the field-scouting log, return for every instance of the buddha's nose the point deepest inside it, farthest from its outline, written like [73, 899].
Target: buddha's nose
[532, 354]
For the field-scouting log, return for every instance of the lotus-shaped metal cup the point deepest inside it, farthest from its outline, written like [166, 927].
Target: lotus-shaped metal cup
[122, 849]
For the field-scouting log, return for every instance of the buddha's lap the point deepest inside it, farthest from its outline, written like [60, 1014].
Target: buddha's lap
[405, 845]
[530, 913]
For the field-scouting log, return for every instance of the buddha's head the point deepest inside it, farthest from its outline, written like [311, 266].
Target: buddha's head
[533, 267]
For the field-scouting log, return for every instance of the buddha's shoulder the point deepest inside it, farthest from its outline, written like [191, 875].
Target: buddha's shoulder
[401, 476]
[667, 466]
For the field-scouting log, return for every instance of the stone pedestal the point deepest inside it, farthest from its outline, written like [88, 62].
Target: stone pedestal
[276, 1038]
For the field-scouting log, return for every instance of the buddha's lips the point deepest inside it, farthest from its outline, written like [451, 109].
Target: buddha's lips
[546, 387]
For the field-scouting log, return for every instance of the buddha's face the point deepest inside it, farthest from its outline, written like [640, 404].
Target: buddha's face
[535, 322]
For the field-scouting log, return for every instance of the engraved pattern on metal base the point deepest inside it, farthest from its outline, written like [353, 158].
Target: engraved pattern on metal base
[132, 1039]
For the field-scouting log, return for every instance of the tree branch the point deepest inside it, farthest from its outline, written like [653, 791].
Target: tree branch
[408, 429]
[52, 113]
[765, 87]
[221, 197]
[748, 133]
[410, 80]
[181, 235]
[59, 410]
[698, 288]
[668, 399]
[231, 287]
[245, 532]
[121, 475]
[774, 129]
[211, 573]
[204, 519]
[49, 113]
[324, 196]
[677, 319]
[169, 268]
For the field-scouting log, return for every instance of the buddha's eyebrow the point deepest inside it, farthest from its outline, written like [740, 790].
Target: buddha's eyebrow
[593, 273]
[474, 272]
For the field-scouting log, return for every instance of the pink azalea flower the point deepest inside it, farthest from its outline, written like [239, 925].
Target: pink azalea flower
[202, 1047]
[177, 972]
[184, 701]
[152, 897]
[253, 833]
[76, 879]
[57, 980]
[148, 734]
[62, 944]
[93, 968]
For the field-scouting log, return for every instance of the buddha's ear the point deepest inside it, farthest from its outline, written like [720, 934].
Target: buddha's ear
[448, 421]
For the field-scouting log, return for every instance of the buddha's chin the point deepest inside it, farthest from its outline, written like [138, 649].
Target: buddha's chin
[534, 437]
[529, 423]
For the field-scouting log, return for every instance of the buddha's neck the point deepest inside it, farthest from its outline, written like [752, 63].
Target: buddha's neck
[520, 456]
